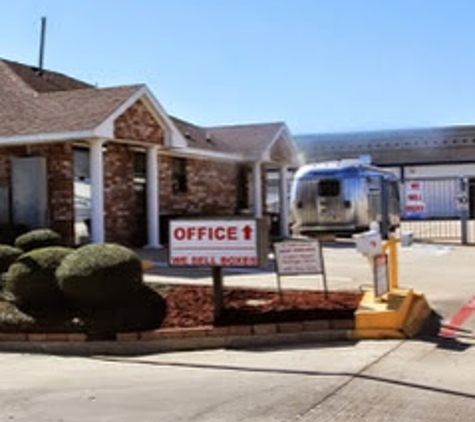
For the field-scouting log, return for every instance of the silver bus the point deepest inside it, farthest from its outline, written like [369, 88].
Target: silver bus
[343, 197]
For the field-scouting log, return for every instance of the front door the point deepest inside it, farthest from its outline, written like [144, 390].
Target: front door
[29, 191]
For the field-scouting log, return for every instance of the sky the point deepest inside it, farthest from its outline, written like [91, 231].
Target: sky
[318, 65]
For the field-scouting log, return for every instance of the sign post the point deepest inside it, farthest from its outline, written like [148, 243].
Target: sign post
[463, 205]
[217, 243]
[217, 291]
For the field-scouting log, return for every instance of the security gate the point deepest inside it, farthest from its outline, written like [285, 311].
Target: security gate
[438, 209]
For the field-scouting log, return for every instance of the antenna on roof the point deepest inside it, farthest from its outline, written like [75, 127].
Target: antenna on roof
[42, 46]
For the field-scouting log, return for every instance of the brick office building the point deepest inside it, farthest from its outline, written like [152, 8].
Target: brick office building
[112, 158]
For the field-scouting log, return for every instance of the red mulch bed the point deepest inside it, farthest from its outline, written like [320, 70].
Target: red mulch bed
[192, 306]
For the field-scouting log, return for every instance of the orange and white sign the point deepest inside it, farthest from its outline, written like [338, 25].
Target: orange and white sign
[214, 243]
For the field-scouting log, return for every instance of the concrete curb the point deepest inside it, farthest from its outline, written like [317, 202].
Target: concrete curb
[168, 340]
[399, 317]
[174, 345]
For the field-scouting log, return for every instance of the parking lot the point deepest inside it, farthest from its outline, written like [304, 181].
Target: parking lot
[430, 378]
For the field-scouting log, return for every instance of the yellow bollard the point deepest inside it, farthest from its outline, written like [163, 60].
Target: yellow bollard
[390, 246]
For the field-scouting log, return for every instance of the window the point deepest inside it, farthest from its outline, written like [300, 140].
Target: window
[179, 175]
[330, 187]
[140, 165]
[242, 187]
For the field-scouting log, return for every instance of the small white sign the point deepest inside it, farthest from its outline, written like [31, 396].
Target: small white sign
[369, 243]
[462, 202]
[381, 279]
[214, 243]
[294, 257]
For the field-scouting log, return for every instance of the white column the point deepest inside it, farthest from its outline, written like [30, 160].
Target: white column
[257, 190]
[284, 203]
[153, 192]
[97, 191]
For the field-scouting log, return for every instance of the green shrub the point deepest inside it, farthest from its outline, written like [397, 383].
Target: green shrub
[36, 239]
[31, 278]
[8, 255]
[100, 275]
[143, 310]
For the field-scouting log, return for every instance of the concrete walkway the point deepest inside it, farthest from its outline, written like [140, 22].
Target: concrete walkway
[346, 269]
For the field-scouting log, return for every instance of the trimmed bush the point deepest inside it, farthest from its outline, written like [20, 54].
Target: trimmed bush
[100, 275]
[36, 239]
[143, 310]
[8, 255]
[32, 280]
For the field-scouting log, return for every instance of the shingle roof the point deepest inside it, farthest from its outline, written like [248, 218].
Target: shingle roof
[200, 137]
[252, 139]
[55, 105]
[46, 80]
[51, 103]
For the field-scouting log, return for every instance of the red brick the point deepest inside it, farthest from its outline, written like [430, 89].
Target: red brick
[196, 331]
[149, 335]
[342, 324]
[77, 337]
[240, 330]
[37, 337]
[264, 329]
[218, 198]
[137, 123]
[290, 327]
[59, 158]
[127, 337]
[13, 337]
[316, 325]
[169, 333]
[56, 337]
[175, 333]
[219, 332]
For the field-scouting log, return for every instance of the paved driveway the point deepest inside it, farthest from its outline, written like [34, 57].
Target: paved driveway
[430, 379]
[369, 381]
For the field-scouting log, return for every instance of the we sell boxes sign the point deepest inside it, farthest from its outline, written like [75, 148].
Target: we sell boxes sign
[415, 206]
[216, 243]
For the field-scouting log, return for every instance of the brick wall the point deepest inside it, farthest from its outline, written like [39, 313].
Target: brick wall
[59, 159]
[138, 124]
[211, 188]
[119, 199]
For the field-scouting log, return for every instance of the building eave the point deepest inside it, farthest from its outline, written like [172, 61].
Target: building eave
[204, 154]
[43, 138]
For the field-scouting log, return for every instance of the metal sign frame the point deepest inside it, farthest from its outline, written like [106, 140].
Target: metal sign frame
[288, 249]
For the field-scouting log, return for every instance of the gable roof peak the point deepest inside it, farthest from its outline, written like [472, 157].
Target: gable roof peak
[46, 80]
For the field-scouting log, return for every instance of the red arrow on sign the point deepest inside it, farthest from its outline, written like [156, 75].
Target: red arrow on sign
[247, 231]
